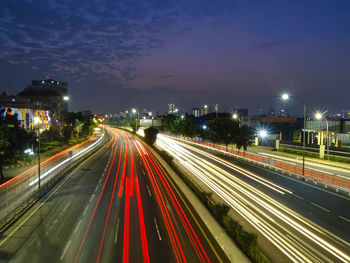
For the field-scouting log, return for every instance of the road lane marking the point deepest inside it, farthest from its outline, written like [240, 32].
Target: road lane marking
[155, 222]
[76, 228]
[91, 197]
[55, 221]
[143, 171]
[85, 210]
[149, 191]
[116, 232]
[298, 196]
[96, 188]
[348, 220]
[64, 209]
[324, 209]
[65, 250]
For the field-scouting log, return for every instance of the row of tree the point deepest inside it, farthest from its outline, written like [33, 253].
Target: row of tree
[222, 130]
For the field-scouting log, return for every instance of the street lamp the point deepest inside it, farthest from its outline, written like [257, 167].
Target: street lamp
[262, 134]
[319, 116]
[66, 98]
[236, 117]
[37, 121]
[286, 97]
[135, 111]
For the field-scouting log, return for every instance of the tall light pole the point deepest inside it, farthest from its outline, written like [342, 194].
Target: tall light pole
[286, 97]
[236, 117]
[37, 122]
[319, 116]
[135, 111]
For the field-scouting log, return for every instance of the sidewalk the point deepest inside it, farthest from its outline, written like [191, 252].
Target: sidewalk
[269, 150]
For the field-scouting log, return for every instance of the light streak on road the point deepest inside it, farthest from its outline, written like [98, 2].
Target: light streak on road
[298, 238]
[67, 160]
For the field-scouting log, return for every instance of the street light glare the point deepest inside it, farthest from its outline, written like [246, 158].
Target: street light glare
[235, 116]
[133, 110]
[318, 115]
[66, 98]
[263, 134]
[285, 96]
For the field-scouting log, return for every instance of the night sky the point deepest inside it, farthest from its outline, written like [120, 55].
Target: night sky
[121, 54]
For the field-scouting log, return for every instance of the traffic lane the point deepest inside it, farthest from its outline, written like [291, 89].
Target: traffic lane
[193, 242]
[261, 210]
[87, 244]
[159, 245]
[325, 208]
[43, 235]
[18, 189]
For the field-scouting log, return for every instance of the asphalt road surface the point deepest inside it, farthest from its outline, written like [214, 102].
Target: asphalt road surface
[117, 206]
[305, 223]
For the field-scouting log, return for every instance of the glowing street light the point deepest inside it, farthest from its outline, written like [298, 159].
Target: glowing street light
[236, 117]
[134, 111]
[263, 134]
[319, 116]
[286, 97]
[204, 127]
[66, 98]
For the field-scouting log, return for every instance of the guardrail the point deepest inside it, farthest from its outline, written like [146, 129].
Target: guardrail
[319, 178]
[18, 193]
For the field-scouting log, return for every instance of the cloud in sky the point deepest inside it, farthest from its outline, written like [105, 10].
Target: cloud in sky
[189, 52]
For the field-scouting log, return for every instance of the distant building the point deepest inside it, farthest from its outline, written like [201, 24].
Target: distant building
[172, 109]
[196, 112]
[206, 110]
[216, 108]
[48, 99]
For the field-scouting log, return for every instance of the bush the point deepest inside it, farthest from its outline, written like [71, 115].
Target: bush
[151, 135]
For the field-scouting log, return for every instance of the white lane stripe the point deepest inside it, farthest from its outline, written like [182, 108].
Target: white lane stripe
[149, 191]
[76, 228]
[324, 209]
[143, 171]
[155, 222]
[64, 209]
[86, 208]
[116, 232]
[91, 197]
[65, 250]
[298, 196]
[348, 220]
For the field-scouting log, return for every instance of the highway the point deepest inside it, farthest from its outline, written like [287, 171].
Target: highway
[116, 206]
[26, 182]
[303, 222]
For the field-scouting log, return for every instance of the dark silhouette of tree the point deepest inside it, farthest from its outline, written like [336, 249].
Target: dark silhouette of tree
[151, 135]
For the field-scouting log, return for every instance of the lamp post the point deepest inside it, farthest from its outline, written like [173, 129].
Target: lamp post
[319, 116]
[37, 121]
[286, 97]
[138, 116]
[236, 117]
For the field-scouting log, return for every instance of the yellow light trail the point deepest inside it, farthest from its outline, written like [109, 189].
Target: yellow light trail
[298, 238]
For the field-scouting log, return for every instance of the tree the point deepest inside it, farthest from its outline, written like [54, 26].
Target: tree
[223, 129]
[244, 137]
[151, 135]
